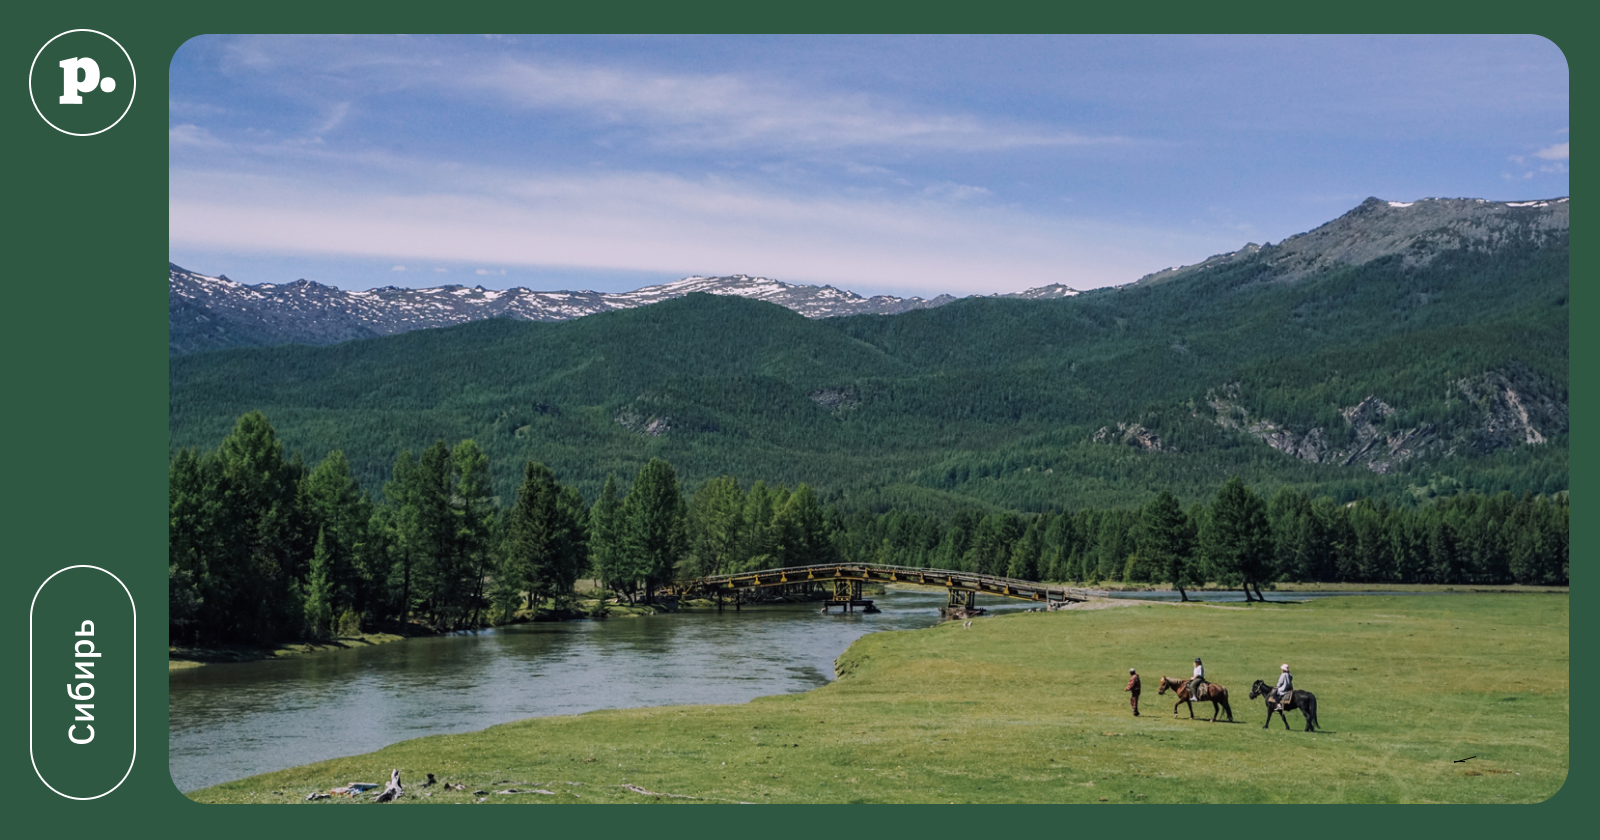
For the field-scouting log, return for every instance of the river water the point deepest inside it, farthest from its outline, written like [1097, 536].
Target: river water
[231, 720]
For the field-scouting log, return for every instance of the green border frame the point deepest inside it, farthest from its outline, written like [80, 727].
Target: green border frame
[92, 370]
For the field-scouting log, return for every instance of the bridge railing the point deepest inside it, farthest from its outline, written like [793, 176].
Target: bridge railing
[948, 578]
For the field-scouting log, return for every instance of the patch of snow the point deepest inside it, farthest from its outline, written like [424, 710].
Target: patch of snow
[1401, 203]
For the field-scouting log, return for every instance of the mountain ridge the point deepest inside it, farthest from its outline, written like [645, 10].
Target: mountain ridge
[1431, 367]
[209, 313]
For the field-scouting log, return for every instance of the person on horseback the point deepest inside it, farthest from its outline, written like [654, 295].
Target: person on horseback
[1285, 686]
[1198, 680]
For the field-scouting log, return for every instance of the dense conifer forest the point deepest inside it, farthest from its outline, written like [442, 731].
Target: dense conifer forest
[265, 547]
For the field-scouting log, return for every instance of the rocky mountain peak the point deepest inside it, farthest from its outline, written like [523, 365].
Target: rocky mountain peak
[1418, 230]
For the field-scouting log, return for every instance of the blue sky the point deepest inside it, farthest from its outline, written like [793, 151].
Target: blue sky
[903, 165]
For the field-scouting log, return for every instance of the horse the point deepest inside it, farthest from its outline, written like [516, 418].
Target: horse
[1305, 701]
[1212, 692]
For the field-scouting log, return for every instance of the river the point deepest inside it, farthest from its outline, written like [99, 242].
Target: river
[231, 720]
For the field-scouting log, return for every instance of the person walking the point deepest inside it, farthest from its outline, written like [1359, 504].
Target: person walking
[1285, 686]
[1133, 690]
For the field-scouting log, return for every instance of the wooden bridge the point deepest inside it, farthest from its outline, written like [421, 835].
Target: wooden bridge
[844, 580]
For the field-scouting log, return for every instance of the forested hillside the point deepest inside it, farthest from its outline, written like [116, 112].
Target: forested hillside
[1417, 374]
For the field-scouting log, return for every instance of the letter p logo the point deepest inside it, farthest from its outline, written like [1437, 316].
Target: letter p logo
[71, 85]
[94, 89]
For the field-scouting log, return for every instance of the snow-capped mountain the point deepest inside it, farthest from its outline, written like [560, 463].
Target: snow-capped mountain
[207, 313]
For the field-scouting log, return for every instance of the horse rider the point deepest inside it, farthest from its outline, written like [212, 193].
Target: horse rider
[1133, 690]
[1285, 687]
[1198, 680]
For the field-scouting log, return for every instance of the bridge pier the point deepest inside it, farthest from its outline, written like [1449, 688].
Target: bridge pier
[847, 595]
[961, 603]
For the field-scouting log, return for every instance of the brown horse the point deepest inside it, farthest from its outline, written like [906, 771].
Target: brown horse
[1210, 691]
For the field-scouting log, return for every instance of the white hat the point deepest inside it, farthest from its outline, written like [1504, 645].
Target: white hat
[1131, 671]
[1284, 667]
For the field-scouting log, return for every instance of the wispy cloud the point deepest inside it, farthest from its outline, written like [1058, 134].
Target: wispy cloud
[652, 221]
[1556, 152]
[191, 136]
[725, 111]
[333, 116]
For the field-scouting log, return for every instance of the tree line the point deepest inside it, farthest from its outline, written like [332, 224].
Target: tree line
[264, 547]
[1237, 539]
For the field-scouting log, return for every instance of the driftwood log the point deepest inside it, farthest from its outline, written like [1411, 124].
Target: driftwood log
[392, 791]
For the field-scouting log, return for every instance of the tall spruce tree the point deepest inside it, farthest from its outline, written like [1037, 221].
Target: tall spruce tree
[717, 531]
[1166, 542]
[1237, 538]
[606, 550]
[655, 536]
[529, 557]
[319, 609]
[473, 510]
[341, 515]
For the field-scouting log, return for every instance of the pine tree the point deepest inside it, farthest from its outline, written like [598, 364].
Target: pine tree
[1023, 563]
[529, 556]
[605, 537]
[654, 533]
[1236, 538]
[1166, 542]
[341, 514]
[258, 524]
[472, 506]
[319, 610]
[717, 530]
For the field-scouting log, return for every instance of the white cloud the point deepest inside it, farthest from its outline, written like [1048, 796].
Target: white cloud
[955, 192]
[192, 136]
[725, 111]
[485, 272]
[398, 268]
[1556, 152]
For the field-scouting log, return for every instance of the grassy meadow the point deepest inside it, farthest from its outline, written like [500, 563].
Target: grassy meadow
[1029, 708]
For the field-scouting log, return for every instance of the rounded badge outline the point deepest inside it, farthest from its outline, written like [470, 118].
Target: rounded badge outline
[124, 113]
[133, 759]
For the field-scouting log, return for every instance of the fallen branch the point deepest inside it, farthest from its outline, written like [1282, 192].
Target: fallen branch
[392, 791]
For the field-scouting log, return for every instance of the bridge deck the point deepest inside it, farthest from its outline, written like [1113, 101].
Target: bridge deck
[870, 572]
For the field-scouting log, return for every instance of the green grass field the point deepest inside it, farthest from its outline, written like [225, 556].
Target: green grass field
[1029, 708]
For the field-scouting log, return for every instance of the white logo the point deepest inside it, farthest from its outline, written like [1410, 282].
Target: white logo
[71, 86]
[92, 63]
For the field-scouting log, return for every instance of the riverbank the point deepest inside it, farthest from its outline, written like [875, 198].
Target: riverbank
[181, 657]
[1029, 708]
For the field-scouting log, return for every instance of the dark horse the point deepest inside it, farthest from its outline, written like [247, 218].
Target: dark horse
[1305, 701]
[1211, 691]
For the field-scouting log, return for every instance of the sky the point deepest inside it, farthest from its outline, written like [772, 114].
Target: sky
[884, 165]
